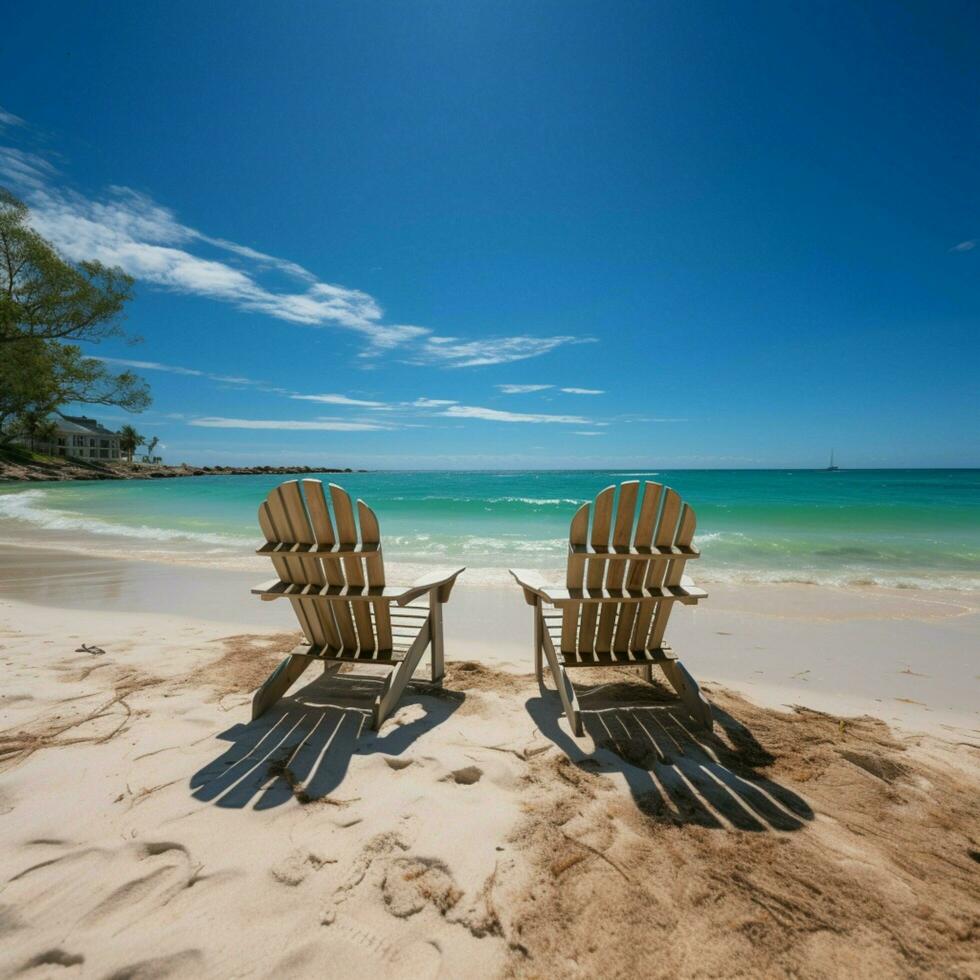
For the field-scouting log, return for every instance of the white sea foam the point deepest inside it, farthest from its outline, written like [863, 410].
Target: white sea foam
[844, 579]
[709, 536]
[28, 506]
[537, 501]
[534, 501]
[509, 545]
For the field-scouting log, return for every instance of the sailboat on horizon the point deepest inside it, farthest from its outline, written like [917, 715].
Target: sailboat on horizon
[832, 468]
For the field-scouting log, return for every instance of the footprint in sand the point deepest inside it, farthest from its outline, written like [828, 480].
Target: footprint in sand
[411, 883]
[396, 763]
[52, 957]
[61, 896]
[297, 866]
[356, 950]
[466, 776]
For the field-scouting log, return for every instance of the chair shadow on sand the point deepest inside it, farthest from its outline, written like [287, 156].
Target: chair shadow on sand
[676, 773]
[302, 747]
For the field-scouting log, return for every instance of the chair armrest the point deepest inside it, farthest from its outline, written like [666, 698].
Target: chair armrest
[537, 590]
[533, 584]
[438, 579]
[270, 589]
[695, 594]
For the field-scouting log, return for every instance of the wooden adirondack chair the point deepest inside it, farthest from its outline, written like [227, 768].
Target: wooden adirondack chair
[332, 572]
[621, 584]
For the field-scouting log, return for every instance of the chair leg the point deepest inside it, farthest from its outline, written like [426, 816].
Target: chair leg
[396, 682]
[565, 689]
[438, 650]
[688, 691]
[278, 682]
[538, 641]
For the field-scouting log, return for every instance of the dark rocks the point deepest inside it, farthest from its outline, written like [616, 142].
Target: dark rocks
[43, 471]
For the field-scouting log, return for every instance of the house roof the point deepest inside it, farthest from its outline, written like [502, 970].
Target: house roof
[83, 424]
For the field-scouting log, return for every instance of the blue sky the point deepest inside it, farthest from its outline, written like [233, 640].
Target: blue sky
[521, 234]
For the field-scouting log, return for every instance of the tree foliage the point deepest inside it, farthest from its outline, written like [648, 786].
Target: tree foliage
[44, 297]
[38, 376]
[46, 302]
[130, 440]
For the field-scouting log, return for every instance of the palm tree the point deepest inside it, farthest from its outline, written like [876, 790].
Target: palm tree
[46, 433]
[130, 440]
[151, 445]
[34, 426]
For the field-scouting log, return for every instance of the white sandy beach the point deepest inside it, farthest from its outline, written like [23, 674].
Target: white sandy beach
[828, 828]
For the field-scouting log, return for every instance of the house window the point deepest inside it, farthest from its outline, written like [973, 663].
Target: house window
[104, 453]
[104, 443]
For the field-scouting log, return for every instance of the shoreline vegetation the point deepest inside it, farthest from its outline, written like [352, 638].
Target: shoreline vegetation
[21, 465]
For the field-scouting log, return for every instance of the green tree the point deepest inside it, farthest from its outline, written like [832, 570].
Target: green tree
[37, 377]
[29, 425]
[46, 433]
[42, 296]
[130, 440]
[45, 302]
[151, 445]
[27, 383]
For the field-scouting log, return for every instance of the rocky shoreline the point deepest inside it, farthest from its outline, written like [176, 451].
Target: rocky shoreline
[49, 470]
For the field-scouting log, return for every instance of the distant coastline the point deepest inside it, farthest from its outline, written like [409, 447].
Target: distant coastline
[33, 468]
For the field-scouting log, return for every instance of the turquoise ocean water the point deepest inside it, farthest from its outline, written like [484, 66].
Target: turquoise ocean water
[889, 527]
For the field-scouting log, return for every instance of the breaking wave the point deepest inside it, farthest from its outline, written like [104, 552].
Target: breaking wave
[28, 506]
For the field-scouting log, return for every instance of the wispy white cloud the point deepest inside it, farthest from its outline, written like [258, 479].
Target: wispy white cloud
[23, 170]
[446, 407]
[522, 389]
[150, 366]
[338, 400]
[299, 425]
[228, 379]
[125, 228]
[495, 415]
[283, 265]
[129, 230]
[457, 353]
[586, 433]
[9, 119]
[967, 246]
[432, 402]
[583, 391]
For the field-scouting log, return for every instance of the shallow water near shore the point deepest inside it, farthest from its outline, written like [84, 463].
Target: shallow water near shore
[914, 528]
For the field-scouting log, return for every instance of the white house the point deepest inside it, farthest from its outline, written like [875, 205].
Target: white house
[83, 438]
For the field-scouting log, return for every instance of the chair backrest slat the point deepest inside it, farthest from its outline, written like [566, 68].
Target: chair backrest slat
[319, 614]
[643, 536]
[615, 570]
[276, 526]
[594, 570]
[663, 536]
[371, 534]
[684, 536]
[343, 512]
[578, 534]
[323, 529]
